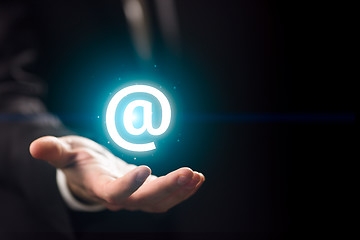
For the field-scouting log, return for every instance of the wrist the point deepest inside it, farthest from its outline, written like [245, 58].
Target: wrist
[70, 199]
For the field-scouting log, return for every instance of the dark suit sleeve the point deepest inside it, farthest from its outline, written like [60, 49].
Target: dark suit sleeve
[29, 197]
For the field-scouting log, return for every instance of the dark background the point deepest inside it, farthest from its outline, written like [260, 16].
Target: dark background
[265, 109]
[287, 169]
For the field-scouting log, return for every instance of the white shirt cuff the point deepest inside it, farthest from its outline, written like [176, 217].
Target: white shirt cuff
[70, 200]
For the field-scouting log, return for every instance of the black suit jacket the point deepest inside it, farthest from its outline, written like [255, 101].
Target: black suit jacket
[39, 41]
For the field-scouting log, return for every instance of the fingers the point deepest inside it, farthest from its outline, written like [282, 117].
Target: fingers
[161, 188]
[115, 191]
[57, 152]
[182, 194]
[129, 191]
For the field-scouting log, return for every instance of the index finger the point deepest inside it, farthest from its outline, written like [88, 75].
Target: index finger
[115, 191]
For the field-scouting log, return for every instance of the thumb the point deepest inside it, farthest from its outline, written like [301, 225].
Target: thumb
[53, 150]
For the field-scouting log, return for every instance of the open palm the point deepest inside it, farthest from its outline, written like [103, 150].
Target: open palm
[94, 175]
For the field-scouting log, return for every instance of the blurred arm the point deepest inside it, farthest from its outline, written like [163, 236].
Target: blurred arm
[26, 184]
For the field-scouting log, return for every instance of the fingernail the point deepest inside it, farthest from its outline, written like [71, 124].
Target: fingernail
[141, 176]
[182, 180]
[202, 175]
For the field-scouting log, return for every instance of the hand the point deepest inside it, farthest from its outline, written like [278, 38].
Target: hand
[95, 175]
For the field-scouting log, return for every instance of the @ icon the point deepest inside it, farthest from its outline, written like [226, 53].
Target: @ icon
[127, 119]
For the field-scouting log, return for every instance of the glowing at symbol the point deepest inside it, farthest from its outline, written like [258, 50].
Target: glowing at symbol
[128, 117]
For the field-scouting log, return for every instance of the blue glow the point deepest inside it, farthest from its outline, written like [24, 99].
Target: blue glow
[225, 117]
[129, 118]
